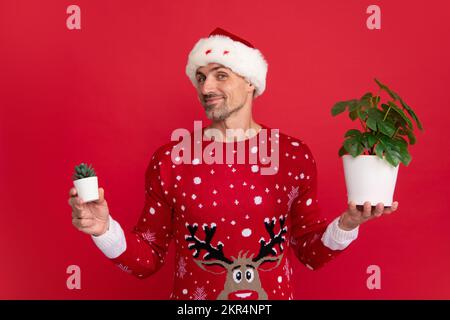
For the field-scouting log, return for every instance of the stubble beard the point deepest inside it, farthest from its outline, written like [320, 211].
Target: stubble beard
[220, 112]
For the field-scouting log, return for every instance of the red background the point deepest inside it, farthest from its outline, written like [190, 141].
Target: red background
[112, 92]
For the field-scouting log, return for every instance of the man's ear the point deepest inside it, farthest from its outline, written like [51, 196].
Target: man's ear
[251, 86]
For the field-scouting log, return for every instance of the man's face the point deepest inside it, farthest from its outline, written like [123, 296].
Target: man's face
[221, 91]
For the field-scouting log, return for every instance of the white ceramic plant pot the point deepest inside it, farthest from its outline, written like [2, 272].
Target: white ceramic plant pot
[369, 178]
[87, 188]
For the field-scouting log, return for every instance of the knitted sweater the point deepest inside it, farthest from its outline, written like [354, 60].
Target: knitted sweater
[233, 226]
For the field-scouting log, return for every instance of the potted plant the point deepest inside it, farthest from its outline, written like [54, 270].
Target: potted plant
[371, 156]
[85, 182]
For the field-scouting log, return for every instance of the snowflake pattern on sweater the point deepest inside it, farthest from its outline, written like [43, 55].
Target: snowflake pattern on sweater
[233, 227]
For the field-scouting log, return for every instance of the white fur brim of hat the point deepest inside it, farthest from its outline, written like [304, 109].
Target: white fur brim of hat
[241, 59]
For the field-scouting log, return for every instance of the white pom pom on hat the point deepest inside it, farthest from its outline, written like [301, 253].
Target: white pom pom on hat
[229, 50]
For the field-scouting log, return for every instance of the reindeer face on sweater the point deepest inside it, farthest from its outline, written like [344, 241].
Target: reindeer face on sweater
[242, 279]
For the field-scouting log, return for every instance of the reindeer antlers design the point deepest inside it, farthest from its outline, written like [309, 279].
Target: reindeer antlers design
[268, 248]
[197, 245]
[217, 252]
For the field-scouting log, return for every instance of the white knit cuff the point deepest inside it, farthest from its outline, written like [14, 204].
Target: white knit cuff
[336, 238]
[113, 242]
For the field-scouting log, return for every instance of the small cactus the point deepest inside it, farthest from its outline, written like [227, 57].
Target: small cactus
[83, 171]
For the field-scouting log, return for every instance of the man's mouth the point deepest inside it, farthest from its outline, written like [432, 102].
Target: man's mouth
[213, 100]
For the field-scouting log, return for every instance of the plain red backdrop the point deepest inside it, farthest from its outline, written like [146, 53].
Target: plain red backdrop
[112, 92]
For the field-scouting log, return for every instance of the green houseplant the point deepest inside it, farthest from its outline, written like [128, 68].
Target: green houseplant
[86, 182]
[371, 156]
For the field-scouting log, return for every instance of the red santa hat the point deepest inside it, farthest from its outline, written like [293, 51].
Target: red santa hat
[229, 50]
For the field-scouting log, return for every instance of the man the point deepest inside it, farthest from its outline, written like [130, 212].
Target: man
[232, 225]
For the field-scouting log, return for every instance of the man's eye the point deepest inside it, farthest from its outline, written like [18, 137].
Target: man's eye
[200, 79]
[221, 76]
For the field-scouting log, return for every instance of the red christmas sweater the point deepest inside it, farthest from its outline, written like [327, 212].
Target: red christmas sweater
[232, 225]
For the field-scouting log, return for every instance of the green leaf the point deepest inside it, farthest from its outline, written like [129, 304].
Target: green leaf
[396, 119]
[375, 113]
[400, 142]
[371, 139]
[353, 115]
[352, 133]
[372, 123]
[379, 149]
[362, 115]
[411, 113]
[339, 108]
[353, 105]
[375, 101]
[353, 146]
[348, 145]
[406, 158]
[400, 112]
[394, 152]
[392, 159]
[395, 96]
[409, 134]
[385, 107]
[367, 96]
[365, 102]
[389, 91]
[386, 127]
[342, 151]
[388, 143]
[385, 141]
[363, 141]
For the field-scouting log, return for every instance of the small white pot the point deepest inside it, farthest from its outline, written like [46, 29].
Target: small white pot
[87, 188]
[369, 178]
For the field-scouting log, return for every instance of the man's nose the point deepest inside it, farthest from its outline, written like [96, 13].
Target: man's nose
[208, 86]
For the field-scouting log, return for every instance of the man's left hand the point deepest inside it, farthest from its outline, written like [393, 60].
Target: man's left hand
[355, 215]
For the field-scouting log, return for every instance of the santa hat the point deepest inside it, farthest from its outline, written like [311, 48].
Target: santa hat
[232, 52]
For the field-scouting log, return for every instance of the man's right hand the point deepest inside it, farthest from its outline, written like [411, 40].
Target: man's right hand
[89, 217]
